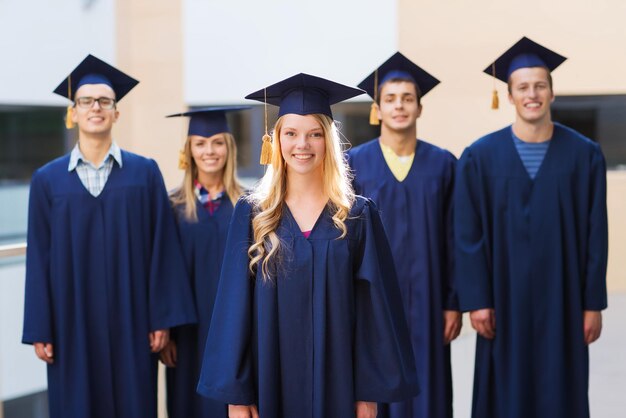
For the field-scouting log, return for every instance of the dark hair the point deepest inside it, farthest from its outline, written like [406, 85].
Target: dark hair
[418, 93]
[508, 82]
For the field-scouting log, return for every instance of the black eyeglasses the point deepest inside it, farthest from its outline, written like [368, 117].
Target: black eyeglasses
[105, 103]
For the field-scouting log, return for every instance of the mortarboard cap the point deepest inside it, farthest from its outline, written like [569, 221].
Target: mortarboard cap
[525, 53]
[93, 70]
[208, 121]
[304, 94]
[397, 66]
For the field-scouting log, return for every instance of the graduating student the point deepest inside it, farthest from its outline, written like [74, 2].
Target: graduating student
[105, 277]
[412, 182]
[307, 319]
[203, 206]
[531, 236]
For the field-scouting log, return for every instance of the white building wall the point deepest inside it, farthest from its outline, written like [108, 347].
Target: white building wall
[21, 372]
[261, 42]
[41, 41]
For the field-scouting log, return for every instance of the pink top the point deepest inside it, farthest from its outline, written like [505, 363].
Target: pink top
[306, 234]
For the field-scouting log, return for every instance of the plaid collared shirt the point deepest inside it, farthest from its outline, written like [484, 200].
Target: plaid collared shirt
[204, 197]
[94, 178]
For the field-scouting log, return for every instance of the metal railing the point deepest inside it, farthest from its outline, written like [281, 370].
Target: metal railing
[12, 250]
[7, 251]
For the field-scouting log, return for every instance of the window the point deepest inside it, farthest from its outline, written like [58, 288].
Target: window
[30, 137]
[600, 118]
[355, 122]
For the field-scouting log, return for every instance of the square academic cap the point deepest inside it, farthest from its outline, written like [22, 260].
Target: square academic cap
[93, 70]
[304, 94]
[398, 66]
[525, 53]
[208, 121]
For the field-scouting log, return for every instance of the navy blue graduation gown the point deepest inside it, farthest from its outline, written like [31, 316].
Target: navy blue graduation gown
[536, 252]
[101, 273]
[417, 215]
[203, 245]
[328, 331]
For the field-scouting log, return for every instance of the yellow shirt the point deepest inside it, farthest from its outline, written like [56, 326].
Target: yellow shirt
[399, 165]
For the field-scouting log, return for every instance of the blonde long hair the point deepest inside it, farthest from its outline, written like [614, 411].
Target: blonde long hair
[268, 198]
[185, 195]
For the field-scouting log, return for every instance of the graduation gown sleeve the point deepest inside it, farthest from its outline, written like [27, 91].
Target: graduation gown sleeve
[384, 365]
[450, 297]
[594, 292]
[227, 371]
[38, 310]
[171, 301]
[471, 255]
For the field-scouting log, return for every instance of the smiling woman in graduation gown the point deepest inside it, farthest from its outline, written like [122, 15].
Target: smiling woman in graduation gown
[203, 207]
[327, 330]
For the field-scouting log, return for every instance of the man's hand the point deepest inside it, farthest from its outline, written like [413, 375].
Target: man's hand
[365, 409]
[158, 339]
[484, 322]
[168, 355]
[592, 325]
[242, 411]
[451, 326]
[45, 351]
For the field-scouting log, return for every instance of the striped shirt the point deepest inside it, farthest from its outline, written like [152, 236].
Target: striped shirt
[94, 178]
[531, 154]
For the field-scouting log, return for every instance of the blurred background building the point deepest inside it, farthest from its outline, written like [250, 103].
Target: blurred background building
[191, 53]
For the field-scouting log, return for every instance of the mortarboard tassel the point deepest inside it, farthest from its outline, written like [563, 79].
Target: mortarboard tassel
[374, 115]
[266, 148]
[68, 117]
[69, 124]
[183, 164]
[495, 101]
[374, 120]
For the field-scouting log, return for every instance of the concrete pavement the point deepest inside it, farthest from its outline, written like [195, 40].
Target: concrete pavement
[607, 380]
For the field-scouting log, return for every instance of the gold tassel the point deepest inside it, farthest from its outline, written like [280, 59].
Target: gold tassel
[69, 124]
[183, 164]
[495, 102]
[266, 150]
[374, 120]
[374, 114]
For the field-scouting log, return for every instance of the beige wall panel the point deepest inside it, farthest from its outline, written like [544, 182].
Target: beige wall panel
[455, 40]
[149, 47]
[616, 184]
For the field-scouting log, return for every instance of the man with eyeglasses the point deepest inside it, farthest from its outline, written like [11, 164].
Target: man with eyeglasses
[105, 278]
